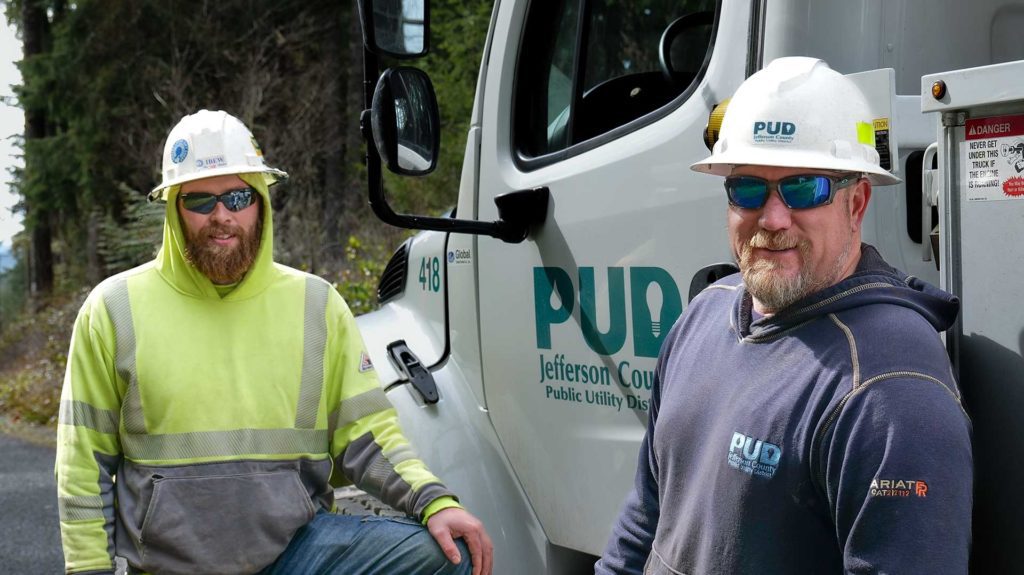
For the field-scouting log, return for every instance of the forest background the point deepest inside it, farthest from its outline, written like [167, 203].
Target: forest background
[103, 81]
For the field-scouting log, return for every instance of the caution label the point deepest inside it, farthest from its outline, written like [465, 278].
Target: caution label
[992, 156]
[881, 127]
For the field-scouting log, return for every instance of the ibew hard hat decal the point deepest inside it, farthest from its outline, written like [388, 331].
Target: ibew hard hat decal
[774, 132]
[211, 162]
[179, 151]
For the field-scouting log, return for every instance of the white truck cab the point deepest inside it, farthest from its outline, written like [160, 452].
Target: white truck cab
[518, 338]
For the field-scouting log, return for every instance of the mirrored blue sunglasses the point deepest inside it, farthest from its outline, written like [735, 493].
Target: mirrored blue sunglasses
[204, 202]
[797, 192]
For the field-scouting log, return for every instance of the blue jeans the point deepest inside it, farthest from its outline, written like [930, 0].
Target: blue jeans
[365, 545]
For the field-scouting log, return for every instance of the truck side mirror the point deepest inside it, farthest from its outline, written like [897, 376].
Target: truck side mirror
[396, 28]
[405, 122]
[404, 127]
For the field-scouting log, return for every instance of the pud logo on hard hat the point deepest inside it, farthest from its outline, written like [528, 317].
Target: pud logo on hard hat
[774, 132]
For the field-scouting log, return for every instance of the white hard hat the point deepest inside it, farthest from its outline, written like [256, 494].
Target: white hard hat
[797, 112]
[207, 144]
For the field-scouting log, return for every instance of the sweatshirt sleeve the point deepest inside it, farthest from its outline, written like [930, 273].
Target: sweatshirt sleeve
[898, 475]
[88, 448]
[367, 443]
[633, 533]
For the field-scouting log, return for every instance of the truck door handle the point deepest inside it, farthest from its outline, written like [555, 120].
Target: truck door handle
[411, 366]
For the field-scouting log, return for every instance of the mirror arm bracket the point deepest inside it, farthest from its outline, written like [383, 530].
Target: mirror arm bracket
[518, 211]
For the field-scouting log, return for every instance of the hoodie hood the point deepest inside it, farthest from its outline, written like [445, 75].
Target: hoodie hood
[873, 281]
[175, 269]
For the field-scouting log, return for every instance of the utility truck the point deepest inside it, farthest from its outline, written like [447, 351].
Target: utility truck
[518, 337]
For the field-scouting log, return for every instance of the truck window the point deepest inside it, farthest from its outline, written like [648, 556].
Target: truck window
[587, 67]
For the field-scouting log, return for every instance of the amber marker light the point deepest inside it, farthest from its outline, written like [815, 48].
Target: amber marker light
[938, 89]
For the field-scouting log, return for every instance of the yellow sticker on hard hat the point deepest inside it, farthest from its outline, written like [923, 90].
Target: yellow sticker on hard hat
[866, 134]
[256, 146]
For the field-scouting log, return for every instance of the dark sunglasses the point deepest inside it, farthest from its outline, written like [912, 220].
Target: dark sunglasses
[204, 202]
[797, 192]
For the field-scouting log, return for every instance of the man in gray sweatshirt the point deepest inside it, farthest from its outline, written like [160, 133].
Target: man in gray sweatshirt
[804, 417]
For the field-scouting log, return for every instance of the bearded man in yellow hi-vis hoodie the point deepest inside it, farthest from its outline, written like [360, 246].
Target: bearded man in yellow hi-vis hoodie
[213, 397]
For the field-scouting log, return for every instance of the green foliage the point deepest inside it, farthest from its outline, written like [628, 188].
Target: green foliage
[358, 281]
[33, 353]
[12, 294]
[115, 76]
[134, 241]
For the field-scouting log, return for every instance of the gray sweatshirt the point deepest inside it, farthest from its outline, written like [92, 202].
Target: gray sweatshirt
[828, 438]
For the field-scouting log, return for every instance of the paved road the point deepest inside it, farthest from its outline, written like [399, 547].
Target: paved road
[29, 528]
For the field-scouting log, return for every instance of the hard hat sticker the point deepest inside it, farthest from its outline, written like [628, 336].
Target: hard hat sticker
[866, 134]
[256, 146]
[179, 151]
[211, 162]
[774, 132]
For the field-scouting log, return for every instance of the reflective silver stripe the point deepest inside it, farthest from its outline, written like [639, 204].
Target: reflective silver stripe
[84, 415]
[379, 471]
[76, 508]
[314, 343]
[359, 406]
[197, 444]
[403, 452]
[120, 311]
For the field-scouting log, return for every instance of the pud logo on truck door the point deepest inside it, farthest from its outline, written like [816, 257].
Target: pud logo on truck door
[654, 302]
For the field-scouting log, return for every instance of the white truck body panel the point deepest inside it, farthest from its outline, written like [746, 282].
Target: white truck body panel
[980, 131]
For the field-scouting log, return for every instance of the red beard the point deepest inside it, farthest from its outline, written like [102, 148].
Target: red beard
[223, 264]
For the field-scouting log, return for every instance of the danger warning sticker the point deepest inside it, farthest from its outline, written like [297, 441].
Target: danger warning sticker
[992, 156]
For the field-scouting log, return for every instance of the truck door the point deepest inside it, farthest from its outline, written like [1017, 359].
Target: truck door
[605, 105]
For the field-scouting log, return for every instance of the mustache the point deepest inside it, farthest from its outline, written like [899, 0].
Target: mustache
[772, 240]
[214, 229]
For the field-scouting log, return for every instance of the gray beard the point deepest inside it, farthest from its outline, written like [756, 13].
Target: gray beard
[769, 288]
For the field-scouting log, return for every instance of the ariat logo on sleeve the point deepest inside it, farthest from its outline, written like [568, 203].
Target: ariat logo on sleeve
[754, 456]
[365, 364]
[898, 488]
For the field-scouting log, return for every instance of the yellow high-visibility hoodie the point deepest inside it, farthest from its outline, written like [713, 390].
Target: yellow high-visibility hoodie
[225, 418]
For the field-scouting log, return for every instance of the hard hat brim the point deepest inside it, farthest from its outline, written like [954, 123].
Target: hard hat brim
[722, 164]
[273, 176]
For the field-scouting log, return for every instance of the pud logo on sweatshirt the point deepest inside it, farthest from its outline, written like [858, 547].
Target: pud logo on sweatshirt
[754, 456]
